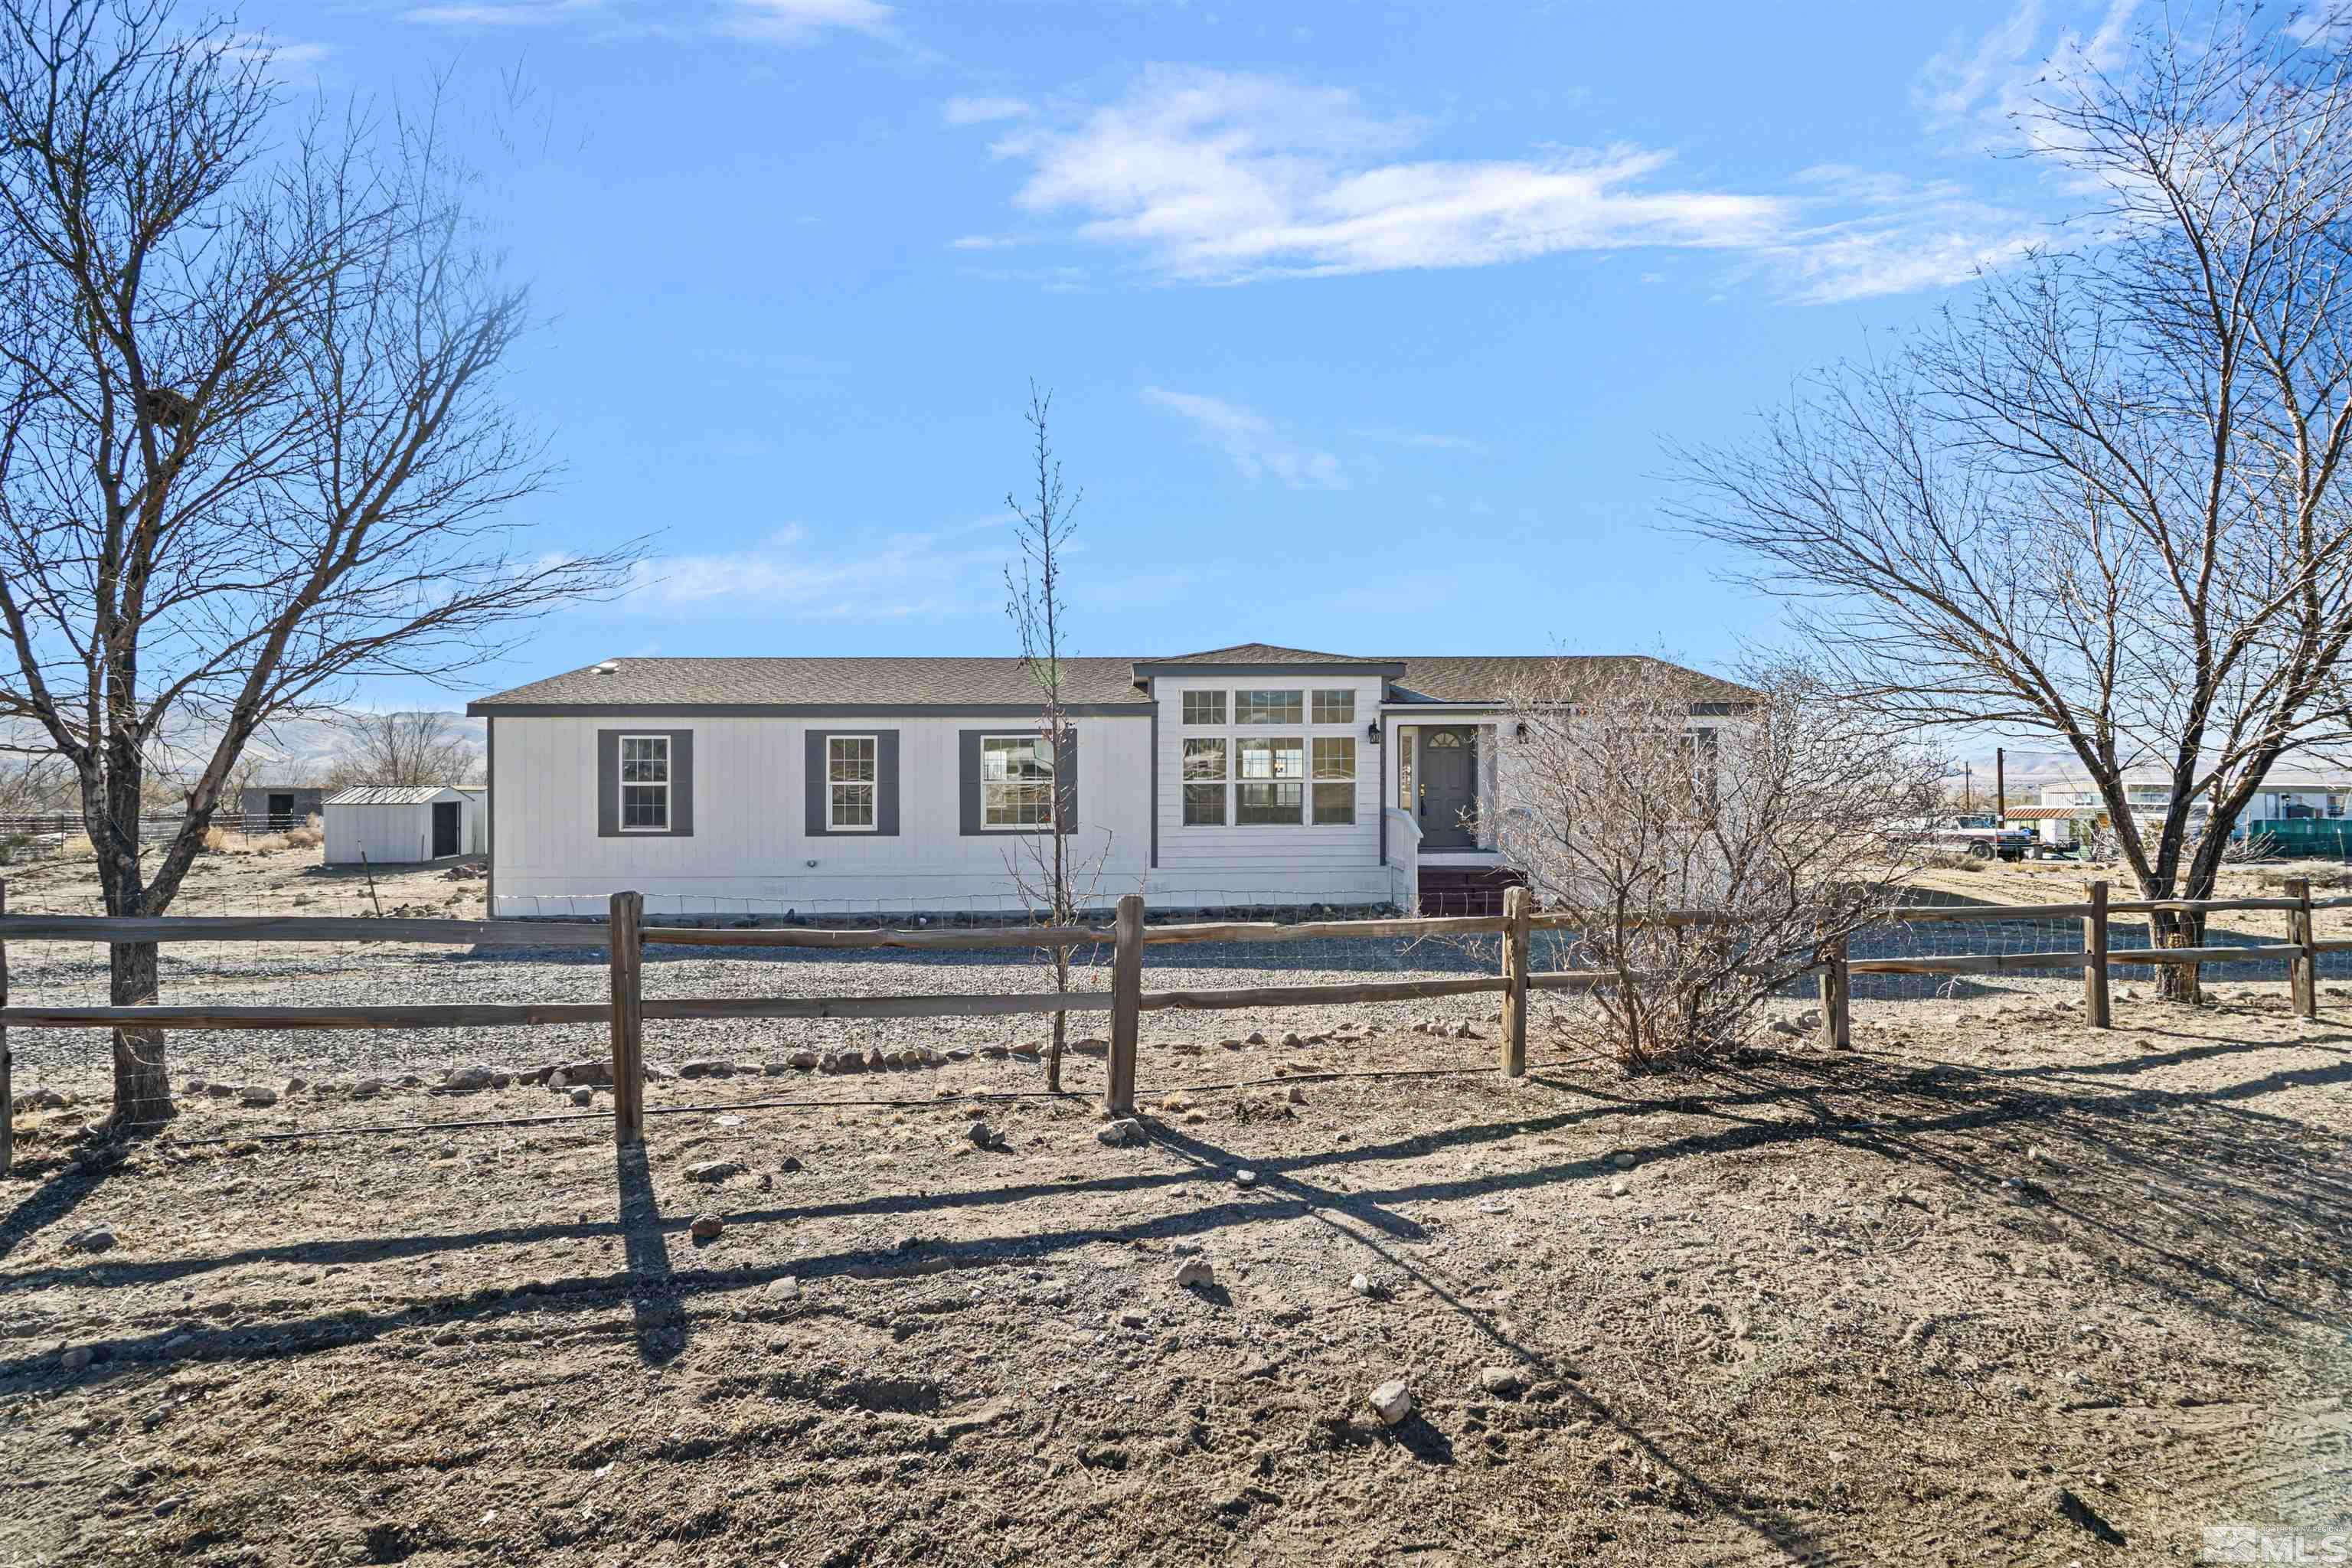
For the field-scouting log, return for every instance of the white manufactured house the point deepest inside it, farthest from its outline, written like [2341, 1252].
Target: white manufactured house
[387, 825]
[823, 786]
[2070, 808]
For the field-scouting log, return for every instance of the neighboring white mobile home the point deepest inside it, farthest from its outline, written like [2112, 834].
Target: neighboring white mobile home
[384, 825]
[822, 787]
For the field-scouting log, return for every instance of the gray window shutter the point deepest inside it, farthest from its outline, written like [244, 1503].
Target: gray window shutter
[813, 784]
[817, 819]
[1066, 781]
[968, 783]
[608, 783]
[886, 784]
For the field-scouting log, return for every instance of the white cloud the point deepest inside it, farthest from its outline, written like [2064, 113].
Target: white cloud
[1220, 176]
[799, 21]
[983, 111]
[503, 13]
[1255, 446]
[1893, 235]
[789, 574]
[1430, 440]
[786, 22]
[287, 59]
[1977, 87]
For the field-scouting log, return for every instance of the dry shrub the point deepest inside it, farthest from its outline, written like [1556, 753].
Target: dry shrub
[303, 837]
[264, 844]
[79, 847]
[216, 840]
[1714, 842]
[1957, 860]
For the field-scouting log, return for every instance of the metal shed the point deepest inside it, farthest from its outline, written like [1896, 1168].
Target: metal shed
[389, 824]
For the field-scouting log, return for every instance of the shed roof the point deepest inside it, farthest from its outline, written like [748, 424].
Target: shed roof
[391, 794]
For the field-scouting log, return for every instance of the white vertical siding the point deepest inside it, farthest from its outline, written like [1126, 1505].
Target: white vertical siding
[749, 851]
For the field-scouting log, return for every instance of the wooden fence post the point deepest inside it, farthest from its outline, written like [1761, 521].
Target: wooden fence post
[1837, 998]
[625, 926]
[2095, 957]
[2303, 964]
[7, 1065]
[1513, 1047]
[1126, 1012]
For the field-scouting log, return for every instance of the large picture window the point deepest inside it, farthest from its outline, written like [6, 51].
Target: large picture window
[1269, 706]
[1204, 784]
[1204, 708]
[1271, 790]
[849, 782]
[645, 783]
[1334, 779]
[1016, 782]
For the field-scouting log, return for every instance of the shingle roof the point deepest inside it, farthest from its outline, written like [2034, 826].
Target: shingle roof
[1261, 653]
[819, 682]
[1488, 678]
[838, 683]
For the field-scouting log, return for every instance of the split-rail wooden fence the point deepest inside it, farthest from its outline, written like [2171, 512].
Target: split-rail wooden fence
[626, 936]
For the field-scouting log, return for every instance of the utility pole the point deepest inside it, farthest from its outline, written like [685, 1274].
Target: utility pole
[2000, 786]
[1967, 787]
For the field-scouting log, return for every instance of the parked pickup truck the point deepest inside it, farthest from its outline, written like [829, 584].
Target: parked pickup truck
[1980, 836]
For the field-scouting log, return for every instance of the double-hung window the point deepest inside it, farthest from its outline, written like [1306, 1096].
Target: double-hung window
[849, 776]
[1016, 782]
[1334, 779]
[645, 783]
[1271, 787]
[1205, 782]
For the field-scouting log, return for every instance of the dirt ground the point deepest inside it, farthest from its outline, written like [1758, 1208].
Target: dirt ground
[1993, 1289]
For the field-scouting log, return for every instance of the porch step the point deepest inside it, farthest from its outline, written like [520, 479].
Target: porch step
[1465, 890]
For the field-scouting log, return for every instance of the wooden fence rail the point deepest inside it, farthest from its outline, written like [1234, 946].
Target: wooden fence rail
[624, 937]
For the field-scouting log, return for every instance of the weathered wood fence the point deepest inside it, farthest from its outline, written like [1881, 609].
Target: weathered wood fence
[626, 937]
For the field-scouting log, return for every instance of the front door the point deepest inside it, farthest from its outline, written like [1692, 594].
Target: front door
[1449, 788]
[446, 817]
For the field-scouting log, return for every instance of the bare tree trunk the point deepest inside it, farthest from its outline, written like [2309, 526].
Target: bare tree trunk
[142, 1086]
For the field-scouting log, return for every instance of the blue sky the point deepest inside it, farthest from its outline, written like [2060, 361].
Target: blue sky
[1364, 323]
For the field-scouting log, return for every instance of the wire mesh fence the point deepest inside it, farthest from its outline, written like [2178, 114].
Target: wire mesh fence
[553, 975]
[240, 1082]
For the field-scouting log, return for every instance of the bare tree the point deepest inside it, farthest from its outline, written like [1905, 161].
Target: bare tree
[1717, 843]
[2103, 500]
[38, 785]
[251, 441]
[418, 748]
[1050, 876]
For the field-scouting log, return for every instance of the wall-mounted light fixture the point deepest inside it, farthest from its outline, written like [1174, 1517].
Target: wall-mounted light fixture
[1520, 729]
[1372, 731]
